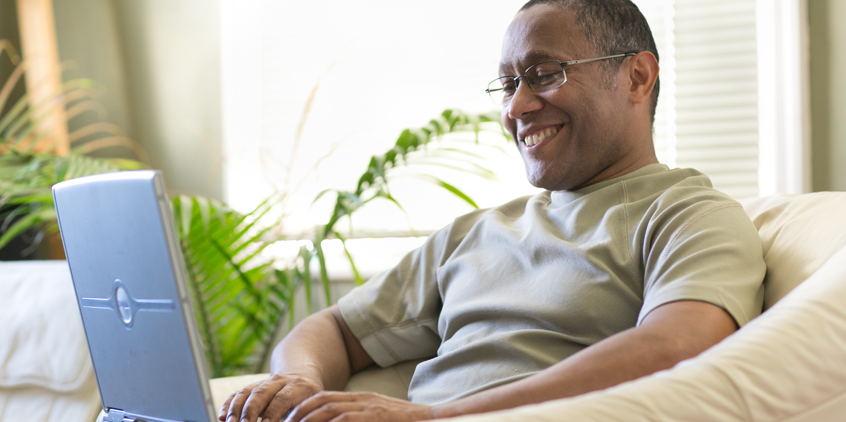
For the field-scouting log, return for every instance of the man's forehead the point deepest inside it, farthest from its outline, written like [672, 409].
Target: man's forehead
[542, 33]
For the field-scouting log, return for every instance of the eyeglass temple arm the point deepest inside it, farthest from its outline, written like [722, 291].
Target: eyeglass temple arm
[597, 58]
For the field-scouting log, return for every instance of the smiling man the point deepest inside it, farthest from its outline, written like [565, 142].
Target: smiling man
[621, 268]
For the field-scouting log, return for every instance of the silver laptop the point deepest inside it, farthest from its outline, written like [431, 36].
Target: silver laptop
[131, 288]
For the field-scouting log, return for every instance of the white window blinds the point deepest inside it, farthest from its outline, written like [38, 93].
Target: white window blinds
[716, 92]
[708, 109]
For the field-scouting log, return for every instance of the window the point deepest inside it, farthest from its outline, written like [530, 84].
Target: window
[362, 74]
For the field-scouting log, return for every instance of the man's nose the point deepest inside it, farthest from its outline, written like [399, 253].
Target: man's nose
[523, 102]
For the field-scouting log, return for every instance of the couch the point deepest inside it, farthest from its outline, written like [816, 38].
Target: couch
[785, 365]
[45, 370]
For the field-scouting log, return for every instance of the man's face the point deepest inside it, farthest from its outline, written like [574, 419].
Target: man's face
[581, 122]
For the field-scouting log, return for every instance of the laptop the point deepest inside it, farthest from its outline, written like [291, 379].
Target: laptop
[127, 270]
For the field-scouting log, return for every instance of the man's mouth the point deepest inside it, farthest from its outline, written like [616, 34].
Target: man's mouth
[534, 138]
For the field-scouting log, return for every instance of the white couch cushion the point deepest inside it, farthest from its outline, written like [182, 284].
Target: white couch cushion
[38, 404]
[799, 233]
[42, 343]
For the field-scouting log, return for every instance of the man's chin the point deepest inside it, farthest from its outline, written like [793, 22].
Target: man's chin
[545, 180]
[541, 182]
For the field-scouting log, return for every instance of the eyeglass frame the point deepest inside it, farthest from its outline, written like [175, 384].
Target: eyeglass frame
[516, 79]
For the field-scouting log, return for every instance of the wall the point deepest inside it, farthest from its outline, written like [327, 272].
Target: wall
[828, 94]
[89, 48]
[9, 31]
[159, 62]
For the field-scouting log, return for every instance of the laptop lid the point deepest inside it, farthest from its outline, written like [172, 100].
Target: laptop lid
[130, 283]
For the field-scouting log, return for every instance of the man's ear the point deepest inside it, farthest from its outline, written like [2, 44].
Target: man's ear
[643, 73]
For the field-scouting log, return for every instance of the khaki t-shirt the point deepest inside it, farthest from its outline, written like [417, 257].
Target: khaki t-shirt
[506, 292]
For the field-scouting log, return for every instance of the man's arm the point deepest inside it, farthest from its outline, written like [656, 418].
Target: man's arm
[319, 353]
[669, 334]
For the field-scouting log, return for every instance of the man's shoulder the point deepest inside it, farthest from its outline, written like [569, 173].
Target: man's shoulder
[676, 188]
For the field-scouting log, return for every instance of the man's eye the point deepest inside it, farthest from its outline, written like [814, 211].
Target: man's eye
[509, 87]
[544, 78]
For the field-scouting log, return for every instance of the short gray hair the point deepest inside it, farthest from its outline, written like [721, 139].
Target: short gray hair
[613, 27]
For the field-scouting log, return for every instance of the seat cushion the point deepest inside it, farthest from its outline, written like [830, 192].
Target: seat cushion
[45, 370]
[42, 343]
[799, 233]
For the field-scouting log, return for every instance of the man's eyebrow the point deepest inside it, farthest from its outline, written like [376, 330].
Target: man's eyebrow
[531, 58]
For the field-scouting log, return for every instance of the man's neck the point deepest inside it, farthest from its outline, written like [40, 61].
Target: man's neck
[619, 169]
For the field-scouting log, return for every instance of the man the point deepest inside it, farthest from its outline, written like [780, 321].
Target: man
[620, 269]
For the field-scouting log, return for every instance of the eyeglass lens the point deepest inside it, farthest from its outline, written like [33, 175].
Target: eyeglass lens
[540, 77]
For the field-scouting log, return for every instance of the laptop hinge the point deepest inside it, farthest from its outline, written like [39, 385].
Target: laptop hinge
[117, 415]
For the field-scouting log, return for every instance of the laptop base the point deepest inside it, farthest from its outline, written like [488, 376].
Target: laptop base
[117, 415]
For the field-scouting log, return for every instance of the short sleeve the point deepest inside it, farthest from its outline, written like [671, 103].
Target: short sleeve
[395, 314]
[706, 252]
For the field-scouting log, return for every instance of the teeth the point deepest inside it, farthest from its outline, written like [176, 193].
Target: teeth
[533, 140]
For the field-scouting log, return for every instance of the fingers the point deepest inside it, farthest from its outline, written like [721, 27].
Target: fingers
[274, 390]
[284, 401]
[339, 406]
[221, 414]
[326, 398]
[271, 398]
[339, 411]
[236, 403]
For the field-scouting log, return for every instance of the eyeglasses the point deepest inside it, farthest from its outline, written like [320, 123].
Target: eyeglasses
[544, 76]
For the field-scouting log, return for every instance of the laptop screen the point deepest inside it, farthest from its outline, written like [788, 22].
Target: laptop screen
[130, 284]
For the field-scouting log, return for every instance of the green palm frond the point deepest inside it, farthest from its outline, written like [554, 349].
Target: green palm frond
[413, 146]
[240, 300]
[25, 187]
[373, 183]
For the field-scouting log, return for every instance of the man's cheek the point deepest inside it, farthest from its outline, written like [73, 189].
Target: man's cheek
[509, 124]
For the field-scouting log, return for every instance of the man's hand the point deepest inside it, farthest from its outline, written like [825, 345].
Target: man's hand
[319, 353]
[367, 407]
[271, 398]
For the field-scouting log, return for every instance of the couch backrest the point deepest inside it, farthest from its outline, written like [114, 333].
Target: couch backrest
[799, 234]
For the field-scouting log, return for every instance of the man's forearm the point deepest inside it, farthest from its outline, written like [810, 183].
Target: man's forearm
[621, 358]
[315, 348]
[626, 356]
